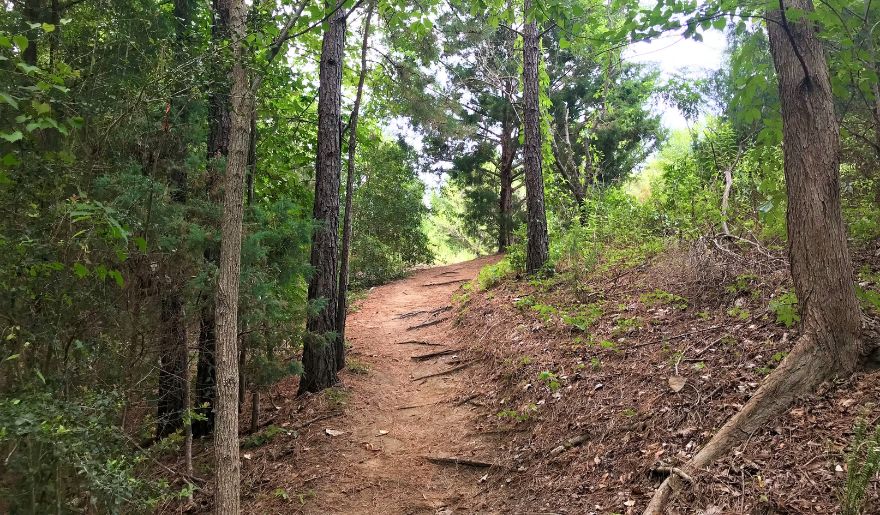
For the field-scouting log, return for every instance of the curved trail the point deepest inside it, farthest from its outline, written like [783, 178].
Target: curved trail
[392, 420]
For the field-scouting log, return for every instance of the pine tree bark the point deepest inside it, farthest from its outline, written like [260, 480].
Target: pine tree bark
[832, 343]
[505, 195]
[345, 253]
[226, 435]
[537, 247]
[320, 348]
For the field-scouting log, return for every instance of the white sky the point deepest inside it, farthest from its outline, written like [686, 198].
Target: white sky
[673, 54]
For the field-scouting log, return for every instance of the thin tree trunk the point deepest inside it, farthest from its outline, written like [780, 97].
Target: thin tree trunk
[320, 347]
[725, 199]
[172, 362]
[345, 253]
[255, 410]
[831, 344]
[219, 124]
[505, 195]
[226, 434]
[537, 247]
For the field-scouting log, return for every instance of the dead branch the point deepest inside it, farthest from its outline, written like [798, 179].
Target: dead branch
[574, 441]
[676, 337]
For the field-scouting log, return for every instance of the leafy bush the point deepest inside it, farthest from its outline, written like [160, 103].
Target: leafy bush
[491, 275]
[785, 308]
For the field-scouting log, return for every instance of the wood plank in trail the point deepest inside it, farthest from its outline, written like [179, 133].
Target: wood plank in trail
[394, 427]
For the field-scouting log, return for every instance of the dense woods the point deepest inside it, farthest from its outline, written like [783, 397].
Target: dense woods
[194, 194]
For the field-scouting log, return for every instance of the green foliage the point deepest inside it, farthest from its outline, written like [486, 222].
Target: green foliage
[785, 308]
[492, 275]
[550, 379]
[862, 466]
[388, 220]
[71, 455]
[660, 297]
[518, 415]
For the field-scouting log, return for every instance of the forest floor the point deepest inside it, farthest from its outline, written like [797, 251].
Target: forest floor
[368, 446]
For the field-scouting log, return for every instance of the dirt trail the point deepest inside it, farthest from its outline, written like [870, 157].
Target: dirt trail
[367, 470]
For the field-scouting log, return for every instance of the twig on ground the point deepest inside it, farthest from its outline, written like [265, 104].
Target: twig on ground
[670, 338]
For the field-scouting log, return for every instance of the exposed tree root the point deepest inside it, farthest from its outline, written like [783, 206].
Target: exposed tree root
[807, 367]
[418, 312]
[431, 355]
[447, 282]
[454, 460]
[419, 342]
[427, 324]
[445, 372]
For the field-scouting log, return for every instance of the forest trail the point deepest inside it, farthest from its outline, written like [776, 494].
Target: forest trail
[366, 470]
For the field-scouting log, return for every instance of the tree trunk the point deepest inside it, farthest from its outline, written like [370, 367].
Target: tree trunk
[172, 366]
[345, 254]
[226, 436]
[321, 345]
[32, 13]
[505, 195]
[255, 410]
[205, 375]
[219, 124]
[831, 344]
[537, 247]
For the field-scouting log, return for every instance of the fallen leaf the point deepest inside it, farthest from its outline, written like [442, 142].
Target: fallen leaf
[676, 383]
[382, 432]
[334, 432]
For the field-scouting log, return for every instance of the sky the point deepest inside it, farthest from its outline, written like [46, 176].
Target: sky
[673, 54]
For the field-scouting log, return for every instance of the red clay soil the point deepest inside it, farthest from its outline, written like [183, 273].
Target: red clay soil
[391, 422]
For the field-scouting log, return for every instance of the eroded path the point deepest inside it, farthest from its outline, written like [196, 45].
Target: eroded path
[391, 419]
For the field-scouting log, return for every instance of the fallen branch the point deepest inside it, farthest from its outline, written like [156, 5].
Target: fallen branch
[448, 272]
[454, 460]
[427, 324]
[676, 337]
[419, 342]
[445, 372]
[430, 355]
[574, 441]
[447, 282]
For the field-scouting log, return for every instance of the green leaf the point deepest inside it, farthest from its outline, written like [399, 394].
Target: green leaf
[11, 137]
[48, 27]
[80, 270]
[8, 99]
[21, 42]
[117, 277]
[28, 69]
